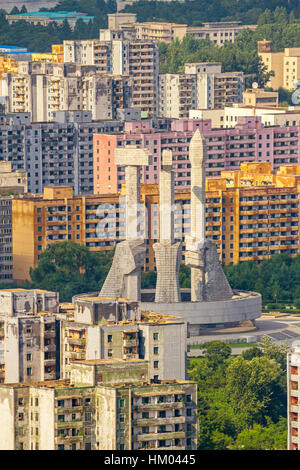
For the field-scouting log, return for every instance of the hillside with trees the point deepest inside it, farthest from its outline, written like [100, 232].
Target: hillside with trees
[241, 399]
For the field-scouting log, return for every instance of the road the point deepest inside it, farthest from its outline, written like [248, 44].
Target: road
[281, 329]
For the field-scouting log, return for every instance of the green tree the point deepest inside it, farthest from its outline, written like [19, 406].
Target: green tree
[250, 387]
[270, 437]
[70, 269]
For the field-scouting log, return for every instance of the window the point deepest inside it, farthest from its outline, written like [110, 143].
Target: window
[155, 336]
[109, 338]
[155, 364]
[29, 371]
[155, 350]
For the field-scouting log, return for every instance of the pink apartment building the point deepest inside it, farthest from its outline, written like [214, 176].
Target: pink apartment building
[248, 141]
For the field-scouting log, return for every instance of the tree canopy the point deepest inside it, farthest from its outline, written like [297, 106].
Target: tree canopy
[70, 269]
[241, 396]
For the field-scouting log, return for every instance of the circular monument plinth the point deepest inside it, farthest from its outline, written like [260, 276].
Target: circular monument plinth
[243, 306]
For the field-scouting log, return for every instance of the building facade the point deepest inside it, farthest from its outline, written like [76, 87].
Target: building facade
[106, 405]
[42, 88]
[251, 214]
[29, 336]
[248, 141]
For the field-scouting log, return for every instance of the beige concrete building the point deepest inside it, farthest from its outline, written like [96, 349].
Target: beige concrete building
[97, 331]
[203, 86]
[117, 54]
[291, 67]
[28, 335]
[259, 97]
[177, 94]
[285, 65]
[215, 89]
[45, 88]
[108, 404]
[217, 32]
[229, 115]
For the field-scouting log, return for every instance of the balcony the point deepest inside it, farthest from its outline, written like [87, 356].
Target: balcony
[160, 436]
[159, 421]
[159, 406]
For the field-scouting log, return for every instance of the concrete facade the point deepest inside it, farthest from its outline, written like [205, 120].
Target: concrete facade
[108, 328]
[97, 411]
[28, 342]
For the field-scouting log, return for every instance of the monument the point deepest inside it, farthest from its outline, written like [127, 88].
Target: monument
[167, 251]
[208, 281]
[124, 277]
[212, 302]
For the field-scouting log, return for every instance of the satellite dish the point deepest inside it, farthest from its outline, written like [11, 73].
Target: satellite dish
[254, 85]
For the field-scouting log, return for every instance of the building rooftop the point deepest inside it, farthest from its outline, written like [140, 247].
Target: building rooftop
[52, 15]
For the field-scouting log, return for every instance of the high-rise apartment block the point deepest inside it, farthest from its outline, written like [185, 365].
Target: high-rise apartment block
[29, 335]
[202, 86]
[59, 152]
[293, 387]
[108, 404]
[43, 88]
[104, 328]
[248, 141]
[285, 65]
[250, 214]
[11, 182]
[121, 56]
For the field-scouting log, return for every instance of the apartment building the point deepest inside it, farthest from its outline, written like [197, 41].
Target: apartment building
[202, 86]
[56, 54]
[122, 56]
[217, 32]
[42, 88]
[11, 182]
[59, 152]
[177, 94]
[250, 214]
[116, 328]
[227, 148]
[28, 335]
[293, 369]
[47, 17]
[216, 89]
[260, 97]
[285, 65]
[228, 117]
[91, 411]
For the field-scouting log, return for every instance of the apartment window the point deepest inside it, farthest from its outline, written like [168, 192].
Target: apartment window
[155, 336]
[29, 371]
[155, 350]
[109, 338]
[155, 364]
[29, 357]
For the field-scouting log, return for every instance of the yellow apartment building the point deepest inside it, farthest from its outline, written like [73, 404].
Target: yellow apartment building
[285, 65]
[251, 214]
[259, 97]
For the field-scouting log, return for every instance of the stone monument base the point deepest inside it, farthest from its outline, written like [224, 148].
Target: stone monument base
[221, 314]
